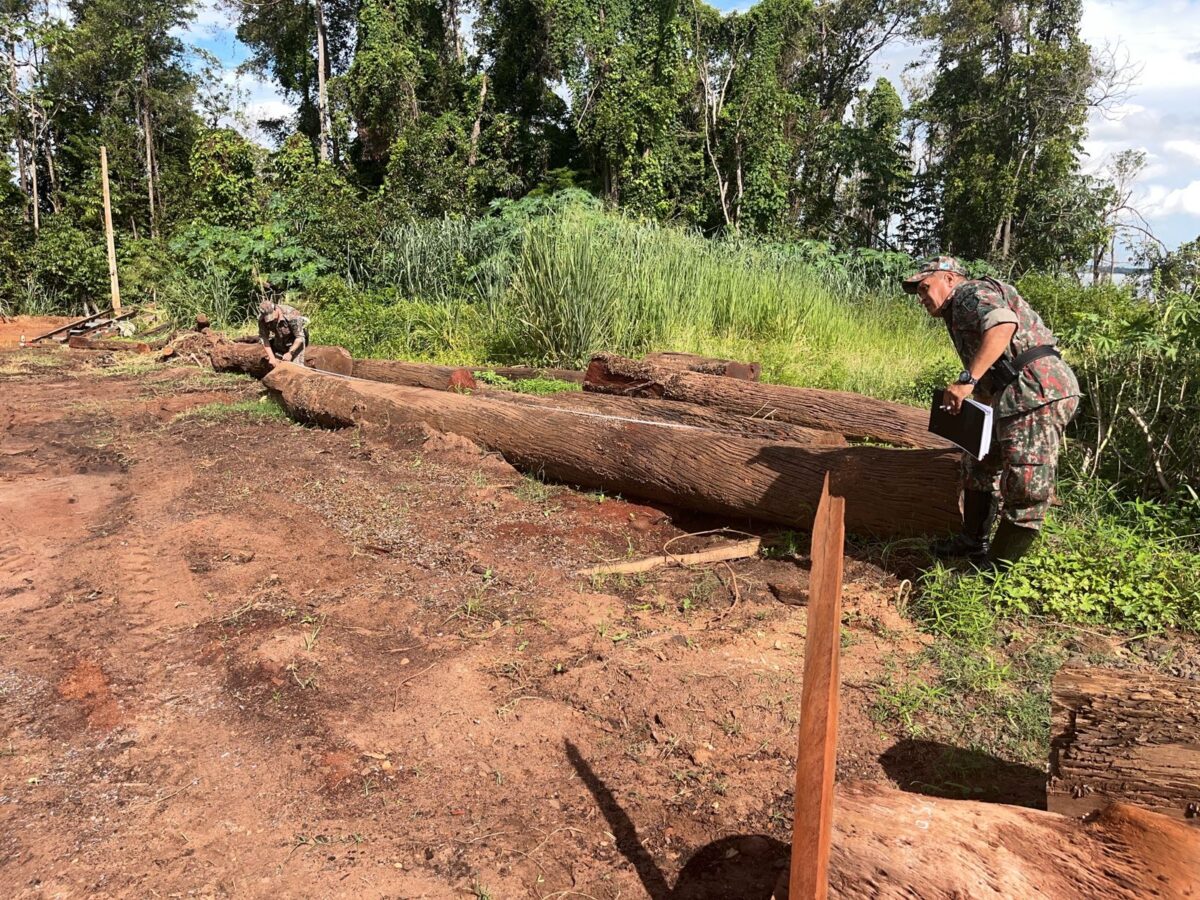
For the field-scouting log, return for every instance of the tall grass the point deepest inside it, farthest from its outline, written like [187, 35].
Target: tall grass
[555, 288]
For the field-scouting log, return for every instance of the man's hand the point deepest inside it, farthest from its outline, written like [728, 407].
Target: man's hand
[287, 357]
[954, 395]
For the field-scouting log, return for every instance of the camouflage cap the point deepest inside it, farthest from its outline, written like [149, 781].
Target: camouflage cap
[931, 266]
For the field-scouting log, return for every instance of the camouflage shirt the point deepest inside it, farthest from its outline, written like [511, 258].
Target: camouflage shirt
[281, 334]
[981, 304]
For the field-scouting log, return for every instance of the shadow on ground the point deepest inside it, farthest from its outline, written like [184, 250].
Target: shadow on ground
[940, 770]
[742, 866]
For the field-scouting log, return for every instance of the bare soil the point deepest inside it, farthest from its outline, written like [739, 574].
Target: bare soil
[244, 658]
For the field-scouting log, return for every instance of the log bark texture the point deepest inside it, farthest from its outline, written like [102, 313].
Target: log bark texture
[890, 844]
[707, 365]
[888, 492]
[328, 358]
[855, 416]
[1127, 736]
[438, 378]
[228, 356]
[678, 413]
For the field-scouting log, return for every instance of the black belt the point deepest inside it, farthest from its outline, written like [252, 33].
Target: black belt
[1005, 371]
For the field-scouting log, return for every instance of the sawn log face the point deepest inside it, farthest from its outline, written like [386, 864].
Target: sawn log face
[888, 492]
[855, 416]
[1128, 736]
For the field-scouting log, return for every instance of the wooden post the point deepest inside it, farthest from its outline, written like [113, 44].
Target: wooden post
[816, 758]
[108, 233]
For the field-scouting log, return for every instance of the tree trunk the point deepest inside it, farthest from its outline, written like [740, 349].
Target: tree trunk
[335, 360]
[326, 126]
[890, 845]
[438, 378]
[855, 416]
[1127, 736]
[50, 170]
[14, 91]
[148, 129]
[478, 124]
[690, 362]
[669, 411]
[888, 493]
[34, 196]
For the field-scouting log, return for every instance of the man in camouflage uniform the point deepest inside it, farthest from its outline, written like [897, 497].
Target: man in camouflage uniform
[1011, 363]
[282, 331]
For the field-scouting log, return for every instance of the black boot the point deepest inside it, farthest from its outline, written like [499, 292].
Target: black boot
[979, 512]
[1012, 542]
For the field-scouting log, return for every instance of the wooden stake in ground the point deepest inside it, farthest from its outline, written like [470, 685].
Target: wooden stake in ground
[816, 758]
[108, 233]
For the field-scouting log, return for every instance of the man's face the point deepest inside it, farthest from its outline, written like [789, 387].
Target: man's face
[934, 291]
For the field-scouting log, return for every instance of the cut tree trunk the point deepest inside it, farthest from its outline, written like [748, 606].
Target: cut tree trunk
[78, 342]
[328, 358]
[888, 493]
[891, 844]
[438, 378]
[228, 356]
[855, 416]
[1128, 736]
[690, 362]
[679, 413]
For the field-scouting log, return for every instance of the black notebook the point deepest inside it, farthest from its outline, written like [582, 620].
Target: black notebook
[971, 429]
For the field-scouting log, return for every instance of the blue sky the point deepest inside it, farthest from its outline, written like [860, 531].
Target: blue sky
[1160, 114]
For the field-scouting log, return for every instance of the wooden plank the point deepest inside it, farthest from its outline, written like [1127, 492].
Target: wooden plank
[1128, 736]
[61, 328]
[816, 756]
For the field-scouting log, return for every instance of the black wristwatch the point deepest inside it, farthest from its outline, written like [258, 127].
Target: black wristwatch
[964, 377]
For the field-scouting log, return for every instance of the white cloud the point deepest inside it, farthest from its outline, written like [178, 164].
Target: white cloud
[1187, 148]
[1162, 201]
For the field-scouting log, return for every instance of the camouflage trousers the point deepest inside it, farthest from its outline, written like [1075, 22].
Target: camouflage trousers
[1023, 462]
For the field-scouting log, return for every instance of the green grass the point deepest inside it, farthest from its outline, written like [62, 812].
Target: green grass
[580, 281]
[540, 385]
[264, 409]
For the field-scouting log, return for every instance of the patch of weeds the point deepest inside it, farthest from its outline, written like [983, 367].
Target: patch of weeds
[25, 362]
[534, 490]
[539, 385]
[787, 545]
[131, 365]
[702, 592]
[480, 892]
[264, 409]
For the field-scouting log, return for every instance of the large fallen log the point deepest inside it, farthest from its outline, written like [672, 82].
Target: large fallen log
[889, 844]
[856, 416]
[438, 378]
[707, 365]
[678, 413]
[329, 358]
[229, 356]
[888, 492]
[1128, 736]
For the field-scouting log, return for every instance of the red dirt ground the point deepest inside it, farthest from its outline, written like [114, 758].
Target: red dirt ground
[242, 658]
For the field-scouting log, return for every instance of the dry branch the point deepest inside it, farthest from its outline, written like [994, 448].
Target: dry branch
[738, 550]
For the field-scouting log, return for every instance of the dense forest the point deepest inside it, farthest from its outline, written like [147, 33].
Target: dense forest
[756, 123]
